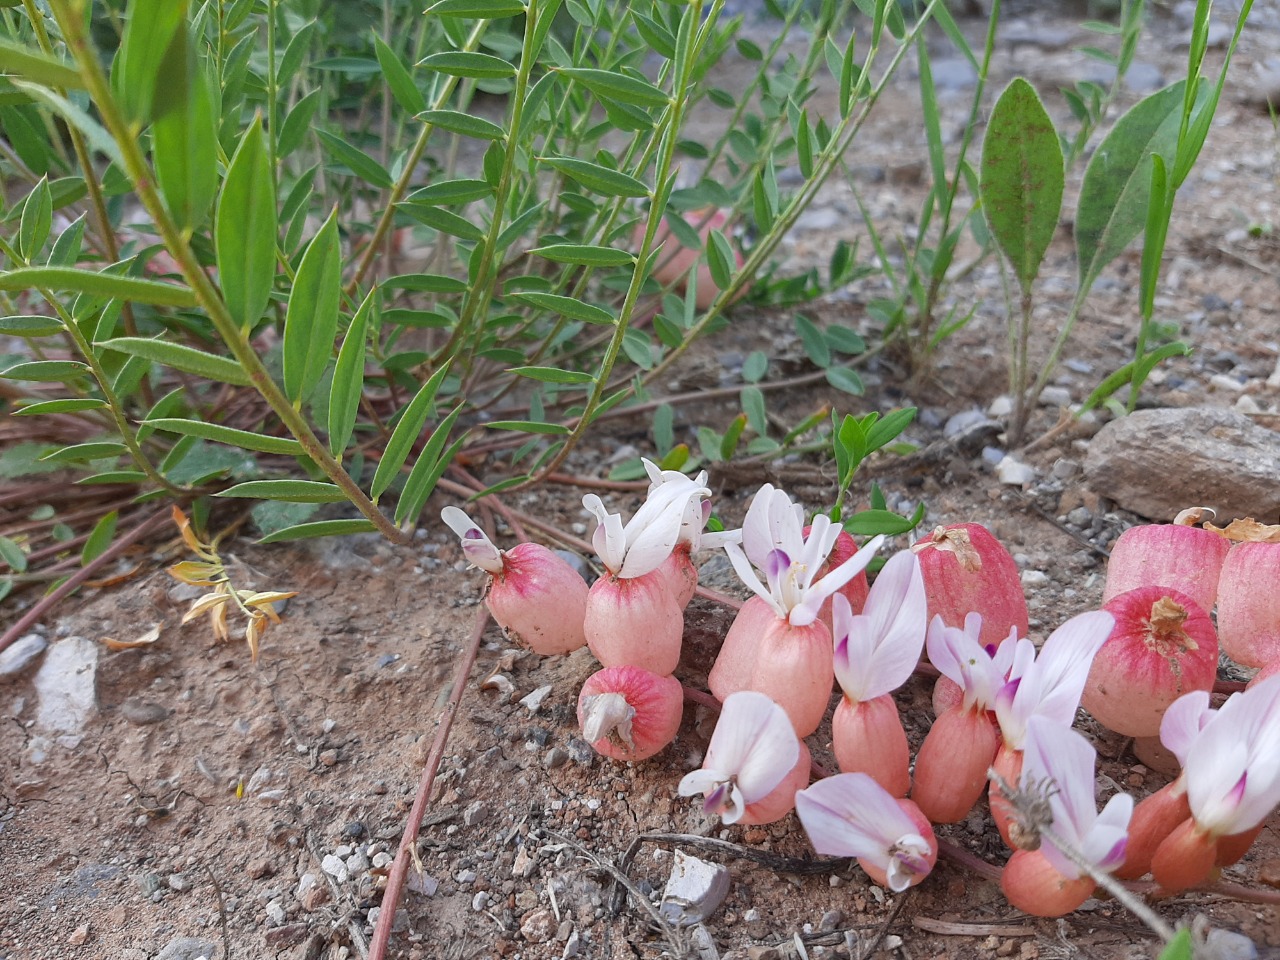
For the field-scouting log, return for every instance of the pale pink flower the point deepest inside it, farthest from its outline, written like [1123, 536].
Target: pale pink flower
[647, 539]
[876, 650]
[1183, 721]
[959, 656]
[476, 546]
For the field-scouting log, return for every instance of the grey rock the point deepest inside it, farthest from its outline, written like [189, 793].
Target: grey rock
[694, 890]
[65, 684]
[953, 74]
[1227, 945]
[143, 712]
[179, 882]
[1055, 397]
[474, 813]
[533, 701]
[1143, 78]
[1157, 462]
[188, 948]
[276, 914]
[21, 653]
[964, 421]
[1041, 35]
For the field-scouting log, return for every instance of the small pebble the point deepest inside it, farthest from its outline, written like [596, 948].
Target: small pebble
[479, 901]
[21, 654]
[556, 757]
[179, 882]
[465, 876]
[355, 830]
[533, 701]
[334, 867]
[79, 935]
[474, 813]
[275, 913]
[1014, 472]
[1034, 578]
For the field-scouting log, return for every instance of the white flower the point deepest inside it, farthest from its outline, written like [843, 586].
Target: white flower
[646, 540]
[774, 543]
[876, 650]
[476, 547]
[1183, 721]
[752, 750]
[1056, 753]
[979, 671]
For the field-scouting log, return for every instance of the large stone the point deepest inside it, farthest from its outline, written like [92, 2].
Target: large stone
[694, 890]
[1158, 462]
[188, 948]
[65, 684]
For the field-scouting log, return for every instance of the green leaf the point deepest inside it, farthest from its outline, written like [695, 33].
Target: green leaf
[720, 259]
[598, 178]
[1117, 183]
[426, 283]
[348, 377]
[407, 430]
[216, 432]
[552, 374]
[753, 407]
[868, 523]
[183, 144]
[815, 344]
[356, 160]
[585, 254]
[181, 357]
[100, 538]
[23, 61]
[428, 469]
[66, 249]
[729, 442]
[449, 192]
[1135, 371]
[298, 124]
[30, 326]
[85, 452]
[476, 9]
[444, 221]
[93, 131]
[755, 366]
[311, 321]
[12, 554]
[567, 306]
[463, 124]
[1022, 179]
[37, 218]
[475, 66]
[529, 426]
[70, 405]
[111, 285]
[842, 378]
[320, 528]
[617, 86]
[153, 26]
[112, 477]
[1181, 947]
[287, 491]
[245, 229]
[398, 77]
[46, 371]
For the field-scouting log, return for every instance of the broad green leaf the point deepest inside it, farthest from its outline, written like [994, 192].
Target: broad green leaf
[100, 538]
[289, 491]
[593, 176]
[1117, 183]
[552, 374]
[311, 321]
[348, 377]
[67, 248]
[475, 66]
[30, 326]
[70, 405]
[37, 218]
[753, 406]
[245, 229]
[20, 60]
[46, 371]
[320, 528]
[868, 523]
[585, 254]
[183, 145]
[1022, 179]
[406, 431]
[463, 124]
[842, 378]
[216, 432]
[449, 192]
[476, 9]
[755, 366]
[428, 469]
[151, 29]
[181, 357]
[569, 307]
[617, 86]
[529, 426]
[815, 344]
[84, 452]
[398, 77]
[12, 554]
[356, 160]
[109, 285]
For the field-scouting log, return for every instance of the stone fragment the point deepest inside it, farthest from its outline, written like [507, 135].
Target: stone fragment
[539, 926]
[65, 684]
[533, 701]
[1158, 462]
[143, 713]
[1014, 472]
[188, 948]
[21, 653]
[694, 890]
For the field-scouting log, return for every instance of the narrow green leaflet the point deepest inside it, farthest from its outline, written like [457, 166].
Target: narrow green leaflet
[473, 66]
[529, 426]
[311, 321]
[398, 78]
[297, 124]
[428, 469]
[245, 229]
[93, 131]
[406, 431]
[569, 307]
[598, 178]
[618, 86]
[320, 528]
[1117, 183]
[1181, 947]
[216, 432]
[37, 218]
[183, 143]
[444, 220]
[462, 124]
[289, 491]
[449, 192]
[46, 371]
[70, 405]
[585, 254]
[476, 9]
[84, 452]
[552, 374]
[181, 357]
[348, 378]
[30, 326]
[72, 280]
[355, 160]
[151, 28]
[100, 538]
[1022, 179]
[23, 61]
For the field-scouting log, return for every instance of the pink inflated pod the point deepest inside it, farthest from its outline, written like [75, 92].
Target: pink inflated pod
[967, 570]
[1176, 555]
[628, 713]
[754, 764]
[875, 653]
[1162, 646]
[676, 262]
[535, 596]
[633, 617]
[1047, 881]
[787, 656]
[1248, 612]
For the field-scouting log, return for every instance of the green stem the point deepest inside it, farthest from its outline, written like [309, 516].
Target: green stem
[71, 21]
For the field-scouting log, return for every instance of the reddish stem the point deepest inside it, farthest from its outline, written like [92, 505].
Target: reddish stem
[404, 855]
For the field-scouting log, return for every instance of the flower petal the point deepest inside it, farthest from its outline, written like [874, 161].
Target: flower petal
[810, 606]
[476, 546]
[850, 815]
[1183, 721]
[747, 574]
[754, 741]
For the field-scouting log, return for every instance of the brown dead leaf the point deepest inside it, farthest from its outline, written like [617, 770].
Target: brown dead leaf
[148, 638]
[1248, 530]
